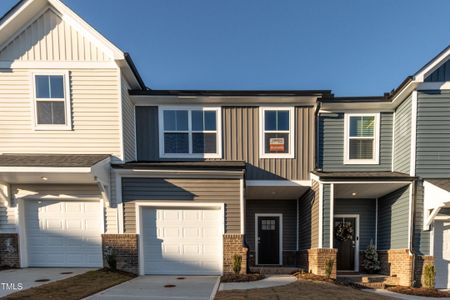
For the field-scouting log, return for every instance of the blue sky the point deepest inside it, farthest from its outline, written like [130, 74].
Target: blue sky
[353, 47]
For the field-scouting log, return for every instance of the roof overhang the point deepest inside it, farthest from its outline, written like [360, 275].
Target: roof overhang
[276, 189]
[436, 197]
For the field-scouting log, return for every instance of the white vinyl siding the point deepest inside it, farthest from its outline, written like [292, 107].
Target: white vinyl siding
[129, 134]
[95, 115]
[49, 38]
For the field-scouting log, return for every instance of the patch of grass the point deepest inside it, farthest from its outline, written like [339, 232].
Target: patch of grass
[425, 292]
[241, 277]
[76, 287]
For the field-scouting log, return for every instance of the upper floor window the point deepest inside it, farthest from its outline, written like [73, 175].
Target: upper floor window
[51, 105]
[361, 139]
[276, 132]
[190, 132]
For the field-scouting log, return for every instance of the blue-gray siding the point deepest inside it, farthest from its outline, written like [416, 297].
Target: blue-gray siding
[433, 134]
[326, 215]
[287, 208]
[365, 208]
[440, 74]
[393, 217]
[308, 218]
[402, 137]
[331, 144]
[421, 241]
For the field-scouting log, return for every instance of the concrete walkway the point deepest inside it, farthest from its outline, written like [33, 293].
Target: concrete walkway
[16, 280]
[400, 296]
[270, 281]
[163, 288]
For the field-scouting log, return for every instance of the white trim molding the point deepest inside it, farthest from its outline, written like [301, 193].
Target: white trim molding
[242, 204]
[280, 216]
[320, 244]
[413, 133]
[290, 132]
[331, 216]
[190, 131]
[376, 139]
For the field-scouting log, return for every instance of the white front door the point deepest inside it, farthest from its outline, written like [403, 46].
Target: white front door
[63, 233]
[181, 241]
[442, 254]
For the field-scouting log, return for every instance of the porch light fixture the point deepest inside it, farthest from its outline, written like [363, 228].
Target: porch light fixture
[354, 194]
[44, 178]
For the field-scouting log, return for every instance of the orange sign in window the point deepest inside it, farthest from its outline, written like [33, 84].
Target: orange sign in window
[276, 145]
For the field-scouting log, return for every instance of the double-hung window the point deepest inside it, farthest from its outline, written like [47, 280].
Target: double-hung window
[190, 132]
[51, 102]
[276, 132]
[361, 139]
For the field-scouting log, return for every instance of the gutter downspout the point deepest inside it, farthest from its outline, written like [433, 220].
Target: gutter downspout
[413, 223]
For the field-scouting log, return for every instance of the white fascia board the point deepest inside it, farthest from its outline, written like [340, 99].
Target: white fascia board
[45, 170]
[292, 183]
[178, 173]
[432, 65]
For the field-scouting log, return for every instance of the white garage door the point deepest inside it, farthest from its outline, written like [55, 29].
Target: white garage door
[442, 254]
[63, 233]
[182, 241]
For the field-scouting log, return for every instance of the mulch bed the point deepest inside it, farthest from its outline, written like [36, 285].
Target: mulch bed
[313, 277]
[74, 288]
[425, 292]
[241, 277]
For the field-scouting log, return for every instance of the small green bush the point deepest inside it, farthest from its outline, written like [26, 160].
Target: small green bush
[429, 274]
[237, 260]
[329, 263]
[111, 259]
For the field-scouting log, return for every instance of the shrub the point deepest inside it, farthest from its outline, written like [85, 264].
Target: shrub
[237, 260]
[371, 263]
[111, 258]
[329, 263]
[429, 274]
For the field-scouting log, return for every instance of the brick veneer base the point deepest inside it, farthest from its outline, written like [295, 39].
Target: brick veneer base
[233, 244]
[126, 250]
[317, 258]
[397, 263]
[419, 265]
[9, 250]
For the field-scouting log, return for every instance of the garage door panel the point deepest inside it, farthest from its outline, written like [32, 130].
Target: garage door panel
[187, 241]
[63, 233]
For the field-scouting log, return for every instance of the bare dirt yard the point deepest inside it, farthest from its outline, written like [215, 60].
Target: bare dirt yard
[302, 289]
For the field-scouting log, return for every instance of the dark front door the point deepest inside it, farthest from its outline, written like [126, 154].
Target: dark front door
[268, 240]
[346, 247]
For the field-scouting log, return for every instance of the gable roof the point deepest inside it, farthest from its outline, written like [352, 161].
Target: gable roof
[25, 11]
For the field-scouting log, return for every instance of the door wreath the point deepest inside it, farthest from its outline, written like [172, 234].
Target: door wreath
[344, 231]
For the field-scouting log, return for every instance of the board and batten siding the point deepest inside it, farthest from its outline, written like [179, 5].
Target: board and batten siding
[308, 218]
[49, 38]
[366, 209]
[287, 208]
[190, 190]
[331, 144]
[128, 121]
[433, 134]
[240, 137]
[326, 211]
[95, 115]
[402, 137]
[393, 218]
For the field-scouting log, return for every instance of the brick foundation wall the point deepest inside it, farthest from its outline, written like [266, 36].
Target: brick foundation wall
[126, 250]
[9, 250]
[419, 264]
[397, 263]
[317, 258]
[234, 244]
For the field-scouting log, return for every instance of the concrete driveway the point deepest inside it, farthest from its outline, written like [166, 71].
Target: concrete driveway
[15, 280]
[163, 288]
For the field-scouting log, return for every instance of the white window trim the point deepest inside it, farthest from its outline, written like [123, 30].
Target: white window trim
[376, 146]
[218, 153]
[67, 101]
[262, 153]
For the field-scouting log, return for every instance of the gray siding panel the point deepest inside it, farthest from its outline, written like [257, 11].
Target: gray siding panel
[393, 217]
[198, 190]
[433, 134]
[326, 208]
[402, 137]
[365, 208]
[421, 242]
[286, 207]
[240, 137]
[331, 144]
[308, 218]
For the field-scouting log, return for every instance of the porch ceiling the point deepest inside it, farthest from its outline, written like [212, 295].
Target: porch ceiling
[275, 192]
[366, 190]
